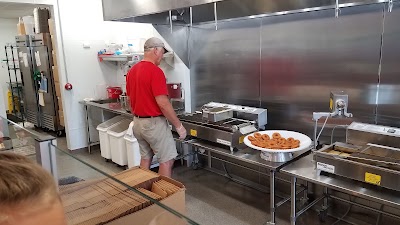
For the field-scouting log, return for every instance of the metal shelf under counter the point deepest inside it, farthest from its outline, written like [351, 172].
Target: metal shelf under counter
[111, 107]
[304, 169]
[252, 157]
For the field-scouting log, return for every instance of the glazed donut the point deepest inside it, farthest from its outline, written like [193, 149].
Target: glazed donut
[274, 145]
[276, 135]
[282, 140]
[255, 143]
[264, 144]
[265, 137]
[257, 135]
[251, 138]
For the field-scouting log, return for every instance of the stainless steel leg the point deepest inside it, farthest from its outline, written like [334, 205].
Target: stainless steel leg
[293, 201]
[182, 151]
[305, 194]
[209, 159]
[325, 206]
[272, 197]
[88, 129]
[304, 199]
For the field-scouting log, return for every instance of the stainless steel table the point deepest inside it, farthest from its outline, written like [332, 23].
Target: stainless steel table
[304, 169]
[251, 156]
[115, 108]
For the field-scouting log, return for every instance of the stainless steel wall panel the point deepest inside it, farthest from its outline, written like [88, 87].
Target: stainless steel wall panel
[225, 64]
[306, 55]
[178, 40]
[389, 89]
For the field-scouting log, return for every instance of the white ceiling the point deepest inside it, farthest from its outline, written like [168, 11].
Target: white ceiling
[15, 10]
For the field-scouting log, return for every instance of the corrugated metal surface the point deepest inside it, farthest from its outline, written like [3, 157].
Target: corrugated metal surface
[225, 64]
[389, 89]
[290, 63]
[307, 55]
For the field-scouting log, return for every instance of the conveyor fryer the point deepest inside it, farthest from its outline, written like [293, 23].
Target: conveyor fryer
[224, 124]
[371, 155]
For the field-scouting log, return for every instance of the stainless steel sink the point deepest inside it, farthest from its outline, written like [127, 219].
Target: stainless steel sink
[105, 101]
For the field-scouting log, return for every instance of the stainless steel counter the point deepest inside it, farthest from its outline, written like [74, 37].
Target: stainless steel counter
[304, 169]
[114, 107]
[251, 156]
[246, 155]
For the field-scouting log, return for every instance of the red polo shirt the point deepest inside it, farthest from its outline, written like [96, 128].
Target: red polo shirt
[144, 82]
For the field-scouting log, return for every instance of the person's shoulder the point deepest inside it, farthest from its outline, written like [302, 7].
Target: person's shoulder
[155, 69]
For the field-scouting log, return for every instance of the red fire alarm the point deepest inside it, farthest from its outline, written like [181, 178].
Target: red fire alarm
[68, 86]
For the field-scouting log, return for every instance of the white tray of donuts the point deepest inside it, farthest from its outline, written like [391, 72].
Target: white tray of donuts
[278, 141]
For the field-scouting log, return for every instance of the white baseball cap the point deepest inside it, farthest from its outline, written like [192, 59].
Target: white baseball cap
[154, 43]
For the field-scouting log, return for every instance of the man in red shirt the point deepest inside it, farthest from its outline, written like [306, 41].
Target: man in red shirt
[147, 88]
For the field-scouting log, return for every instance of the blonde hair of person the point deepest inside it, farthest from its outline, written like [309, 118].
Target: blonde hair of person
[26, 191]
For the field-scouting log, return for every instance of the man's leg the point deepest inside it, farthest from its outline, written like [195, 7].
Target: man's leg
[145, 163]
[166, 168]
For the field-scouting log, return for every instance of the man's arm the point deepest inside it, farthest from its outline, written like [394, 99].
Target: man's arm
[167, 110]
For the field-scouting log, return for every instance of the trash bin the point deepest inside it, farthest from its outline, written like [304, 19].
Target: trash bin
[133, 151]
[103, 136]
[117, 142]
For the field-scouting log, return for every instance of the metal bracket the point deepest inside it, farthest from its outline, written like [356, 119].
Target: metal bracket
[337, 9]
[318, 115]
[215, 16]
[390, 6]
[170, 20]
[191, 16]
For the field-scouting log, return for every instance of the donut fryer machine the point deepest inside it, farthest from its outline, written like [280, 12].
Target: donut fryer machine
[224, 124]
[371, 155]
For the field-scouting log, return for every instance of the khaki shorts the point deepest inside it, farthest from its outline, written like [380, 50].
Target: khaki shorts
[155, 138]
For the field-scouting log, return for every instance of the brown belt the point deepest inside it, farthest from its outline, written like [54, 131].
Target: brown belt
[147, 116]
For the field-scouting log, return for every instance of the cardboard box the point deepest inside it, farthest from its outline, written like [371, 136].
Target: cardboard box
[52, 27]
[54, 56]
[56, 76]
[58, 89]
[60, 106]
[106, 201]
[60, 113]
[53, 42]
[154, 214]
[62, 121]
[21, 28]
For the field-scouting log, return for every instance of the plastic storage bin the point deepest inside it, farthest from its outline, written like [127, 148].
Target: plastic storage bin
[133, 151]
[103, 136]
[117, 142]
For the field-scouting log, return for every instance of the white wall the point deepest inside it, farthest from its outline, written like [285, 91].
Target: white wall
[8, 31]
[79, 22]
[84, 24]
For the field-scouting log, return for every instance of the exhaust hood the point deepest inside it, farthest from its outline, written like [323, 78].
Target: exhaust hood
[158, 11]
[172, 18]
